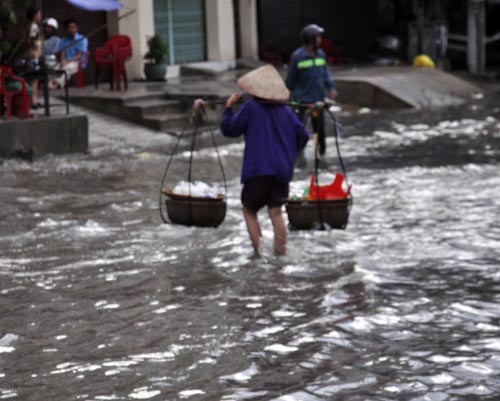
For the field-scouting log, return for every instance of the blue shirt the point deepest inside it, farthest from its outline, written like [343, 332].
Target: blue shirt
[272, 135]
[78, 45]
[308, 76]
[51, 45]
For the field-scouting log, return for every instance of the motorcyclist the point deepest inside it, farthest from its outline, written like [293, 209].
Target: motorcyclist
[309, 79]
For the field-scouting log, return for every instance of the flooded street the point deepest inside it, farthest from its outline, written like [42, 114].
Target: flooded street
[100, 301]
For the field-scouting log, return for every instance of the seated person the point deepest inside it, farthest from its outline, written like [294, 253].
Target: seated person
[73, 47]
[51, 43]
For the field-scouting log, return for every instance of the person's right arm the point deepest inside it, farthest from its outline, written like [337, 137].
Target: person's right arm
[234, 125]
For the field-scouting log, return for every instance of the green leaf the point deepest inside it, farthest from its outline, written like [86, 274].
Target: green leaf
[7, 13]
[158, 50]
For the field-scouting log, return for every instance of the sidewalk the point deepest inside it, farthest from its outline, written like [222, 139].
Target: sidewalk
[408, 86]
[164, 106]
[161, 106]
[217, 86]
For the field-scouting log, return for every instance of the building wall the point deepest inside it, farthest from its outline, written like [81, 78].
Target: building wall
[139, 26]
[350, 23]
[219, 22]
[248, 27]
[220, 33]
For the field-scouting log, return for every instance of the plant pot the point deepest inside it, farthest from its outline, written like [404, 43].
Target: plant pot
[155, 72]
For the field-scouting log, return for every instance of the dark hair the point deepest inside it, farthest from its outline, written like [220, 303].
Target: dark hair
[69, 21]
[31, 12]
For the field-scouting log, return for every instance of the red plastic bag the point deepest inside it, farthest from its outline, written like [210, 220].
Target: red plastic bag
[328, 192]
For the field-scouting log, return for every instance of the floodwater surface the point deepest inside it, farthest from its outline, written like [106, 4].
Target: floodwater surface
[101, 301]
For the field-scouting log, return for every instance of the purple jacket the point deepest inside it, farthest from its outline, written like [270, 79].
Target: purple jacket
[272, 134]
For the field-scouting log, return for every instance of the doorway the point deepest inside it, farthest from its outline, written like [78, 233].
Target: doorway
[181, 23]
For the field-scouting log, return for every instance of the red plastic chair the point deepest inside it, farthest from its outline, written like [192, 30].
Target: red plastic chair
[112, 57]
[6, 72]
[103, 60]
[269, 56]
[80, 79]
[333, 53]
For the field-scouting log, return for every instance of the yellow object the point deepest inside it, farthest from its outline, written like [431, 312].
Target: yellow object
[423, 61]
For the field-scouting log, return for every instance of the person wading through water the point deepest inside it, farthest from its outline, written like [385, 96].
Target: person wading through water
[310, 80]
[272, 135]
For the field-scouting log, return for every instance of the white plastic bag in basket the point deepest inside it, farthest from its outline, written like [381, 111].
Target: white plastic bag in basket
[198, 188]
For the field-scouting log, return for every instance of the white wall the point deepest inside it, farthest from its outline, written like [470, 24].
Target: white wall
[249, 29]
[139, 26]
[219, 19]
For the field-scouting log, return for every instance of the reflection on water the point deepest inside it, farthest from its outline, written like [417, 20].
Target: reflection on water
[99, 301]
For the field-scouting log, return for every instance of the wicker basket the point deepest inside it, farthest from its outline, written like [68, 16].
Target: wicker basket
[195, 211]
[307, 215]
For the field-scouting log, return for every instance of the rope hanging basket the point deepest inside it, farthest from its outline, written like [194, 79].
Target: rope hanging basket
[322, 211]
[187, 209]
[195, 211]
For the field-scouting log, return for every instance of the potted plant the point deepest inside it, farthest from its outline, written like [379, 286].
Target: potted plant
[156, 69]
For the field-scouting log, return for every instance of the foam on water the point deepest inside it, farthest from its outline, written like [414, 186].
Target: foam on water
[243, 376]
[190, 393]
[143, 393]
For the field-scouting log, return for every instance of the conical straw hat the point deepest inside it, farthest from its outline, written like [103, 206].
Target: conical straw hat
[265, 83]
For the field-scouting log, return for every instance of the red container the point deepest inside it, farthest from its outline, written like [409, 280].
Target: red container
[334, 191]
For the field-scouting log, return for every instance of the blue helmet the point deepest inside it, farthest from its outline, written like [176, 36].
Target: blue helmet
[310, 32]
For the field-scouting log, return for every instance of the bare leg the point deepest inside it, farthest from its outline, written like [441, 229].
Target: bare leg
[34, 95]
[279, 230]
[253, 228]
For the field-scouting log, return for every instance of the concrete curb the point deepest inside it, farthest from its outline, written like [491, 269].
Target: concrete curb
[55, 135]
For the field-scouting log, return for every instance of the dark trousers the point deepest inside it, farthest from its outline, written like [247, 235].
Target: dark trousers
[318, 123]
